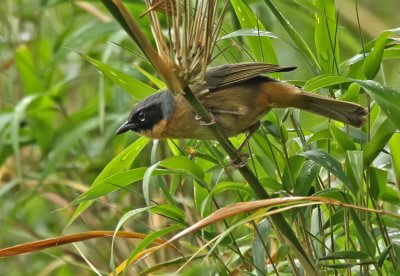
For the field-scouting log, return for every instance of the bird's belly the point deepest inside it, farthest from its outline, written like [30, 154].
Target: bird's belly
[231, 125]
[234, 109]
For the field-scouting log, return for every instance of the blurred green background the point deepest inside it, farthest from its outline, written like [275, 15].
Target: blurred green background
[58, 115]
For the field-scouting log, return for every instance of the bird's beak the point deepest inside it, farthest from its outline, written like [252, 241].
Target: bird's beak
[124, 128]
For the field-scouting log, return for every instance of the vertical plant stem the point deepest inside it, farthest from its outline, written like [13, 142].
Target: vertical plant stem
[278, 220]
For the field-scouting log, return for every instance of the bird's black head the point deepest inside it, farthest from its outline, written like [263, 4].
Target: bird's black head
[149, 112]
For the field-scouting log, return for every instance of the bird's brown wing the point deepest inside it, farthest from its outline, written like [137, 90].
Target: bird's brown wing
[231, 74]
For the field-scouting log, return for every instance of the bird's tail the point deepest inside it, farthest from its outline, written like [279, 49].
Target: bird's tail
[346, 112]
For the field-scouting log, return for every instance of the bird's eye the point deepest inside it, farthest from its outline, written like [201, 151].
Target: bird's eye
[141, 116]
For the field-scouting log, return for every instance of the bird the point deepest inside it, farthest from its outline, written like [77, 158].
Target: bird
[237, 96]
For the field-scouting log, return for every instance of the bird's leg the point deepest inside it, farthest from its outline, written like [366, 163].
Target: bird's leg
[243, 156]
[252, 129]
[203, 123]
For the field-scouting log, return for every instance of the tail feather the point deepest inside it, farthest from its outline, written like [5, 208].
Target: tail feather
[346, 112]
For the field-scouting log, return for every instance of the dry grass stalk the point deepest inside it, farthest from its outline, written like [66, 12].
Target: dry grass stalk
[192, 31]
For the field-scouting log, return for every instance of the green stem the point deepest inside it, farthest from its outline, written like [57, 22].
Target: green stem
[279, 221]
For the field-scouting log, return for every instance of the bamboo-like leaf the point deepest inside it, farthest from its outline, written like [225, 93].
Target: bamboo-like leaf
[343, 140]
[245, 207]
[379, 140]
[159, 83]
[121, 222]
[323, 81]
[374, 59]
[308, 173]
[150, 239]
[328, 162]
[18, 115]
[260, 242]
[146, 182]
[326, 41]
[169, 211]
[394, 145]
[133, 86]
[363, 236]
[384, 255]
[114, 182]
[356, 166]
[294, 34]
[182, 163]
[260, 46]
[121, 162]
[28, 72]
[387, 98]
[377, 180]
[344, 255]
[249, 32]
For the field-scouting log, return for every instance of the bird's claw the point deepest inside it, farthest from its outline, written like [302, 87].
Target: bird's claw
[203, 123]
[241, 161]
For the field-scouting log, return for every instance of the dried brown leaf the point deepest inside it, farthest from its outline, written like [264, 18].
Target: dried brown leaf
[53, 242]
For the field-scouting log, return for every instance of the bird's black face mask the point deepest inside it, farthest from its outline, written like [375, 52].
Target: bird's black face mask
[142, 119]
[149, 112]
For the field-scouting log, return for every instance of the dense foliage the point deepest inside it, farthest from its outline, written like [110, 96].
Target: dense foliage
[70, 75]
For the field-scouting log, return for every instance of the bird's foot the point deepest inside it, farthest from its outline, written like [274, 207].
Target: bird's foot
[204, 123]
[241, 161]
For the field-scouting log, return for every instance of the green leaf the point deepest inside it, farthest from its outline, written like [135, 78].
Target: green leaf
[308, 172]
[374, 59]
[129, 84]
[332, 165]
[41, 121]
[322, 134]
[387, 98]
[181, 163]
[352, 93]
[223, 187]
[64, 143]
[123, 160]
[336, 219]
[121, 222]
[249, 32]
[115, 182]
[169, 211]
[260, 242]
[120, 163]
[377, 181]
[261, 46]
[159, 83]
[345, 265]
[356, 166]
[384, 255]
[344, 255]
[293, 34]
[18, 115]
[282, 253]
[151, 237]
[323, 81]
[379, 140]
[362, 235]
[343, 140]
[326, 41]
[394, 145]
[146, 182]
[28, 71]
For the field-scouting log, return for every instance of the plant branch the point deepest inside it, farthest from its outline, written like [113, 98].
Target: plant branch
[176, 85]
[279, 221]
[164, 66]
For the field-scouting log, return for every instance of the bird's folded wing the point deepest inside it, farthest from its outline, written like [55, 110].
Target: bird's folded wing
[231, 74]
